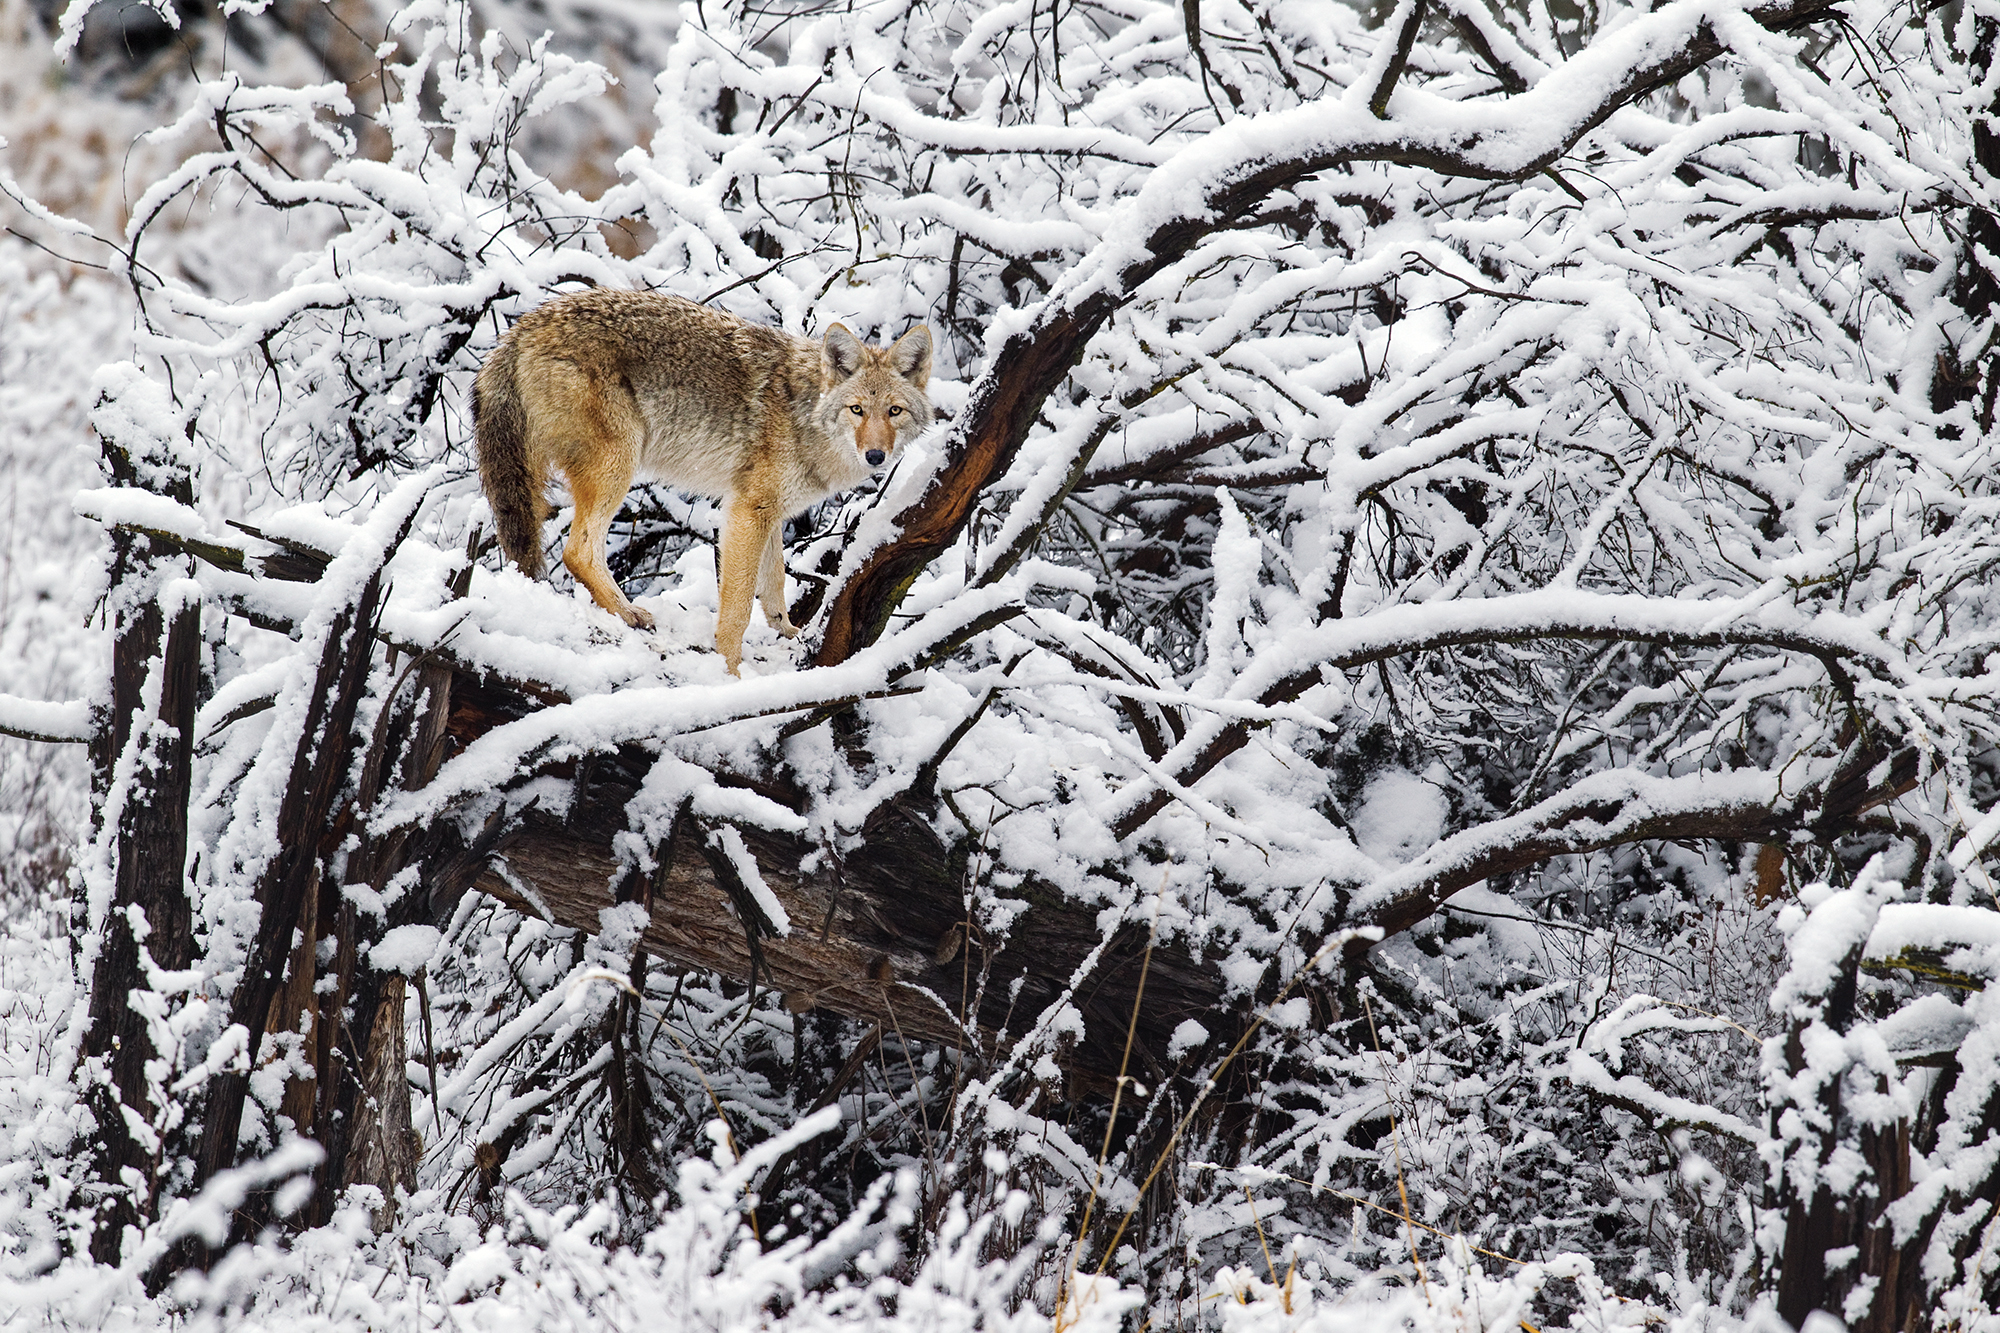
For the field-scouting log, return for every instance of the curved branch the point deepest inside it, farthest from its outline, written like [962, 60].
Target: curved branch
[1617, 809]
[1343, 645]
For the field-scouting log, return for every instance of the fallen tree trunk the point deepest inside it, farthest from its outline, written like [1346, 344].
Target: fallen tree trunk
[884, 935]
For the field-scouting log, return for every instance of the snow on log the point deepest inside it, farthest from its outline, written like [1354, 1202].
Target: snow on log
[884, 937]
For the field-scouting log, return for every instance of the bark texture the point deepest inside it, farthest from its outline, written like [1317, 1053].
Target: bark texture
[385, 1147]
[155, 680]
[881, 935]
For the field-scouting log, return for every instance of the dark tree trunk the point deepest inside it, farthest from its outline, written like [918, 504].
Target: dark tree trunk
[361, 1115]
[149, 901]
[1827, 1222]
[140, 760]
[319, 770]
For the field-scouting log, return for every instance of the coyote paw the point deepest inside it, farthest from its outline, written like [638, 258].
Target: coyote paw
[636, 618]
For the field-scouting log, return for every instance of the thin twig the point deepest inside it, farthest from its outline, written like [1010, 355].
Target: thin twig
[1396, 1141]
[430, 1054]
[1065, 1288]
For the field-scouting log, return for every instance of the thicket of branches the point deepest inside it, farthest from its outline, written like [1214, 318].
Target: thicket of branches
[1434, 677]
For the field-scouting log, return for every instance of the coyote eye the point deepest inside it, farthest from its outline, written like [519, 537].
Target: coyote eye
[857, 409]
[895, 411]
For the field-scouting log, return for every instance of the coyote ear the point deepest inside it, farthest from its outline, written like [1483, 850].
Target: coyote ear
[911, 356]
[842, 355]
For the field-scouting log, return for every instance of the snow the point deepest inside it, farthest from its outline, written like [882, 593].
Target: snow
[1969, 935]
[1528, 521]
[38, 719]
[1401, 815]
[1188, 1036]
[405, 949]
[730, 842]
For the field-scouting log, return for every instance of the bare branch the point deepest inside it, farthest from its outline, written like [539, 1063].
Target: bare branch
[1409, 17]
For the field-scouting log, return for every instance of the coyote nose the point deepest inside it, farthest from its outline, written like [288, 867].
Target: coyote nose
[875, 457]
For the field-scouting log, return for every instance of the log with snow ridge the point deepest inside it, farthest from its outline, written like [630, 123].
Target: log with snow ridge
[882, 936]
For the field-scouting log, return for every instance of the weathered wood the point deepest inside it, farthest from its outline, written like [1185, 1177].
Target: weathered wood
[361, 1114]
[869, 939]
[319, 769]
[141, 753]
[148, 881]
[296, 1009]
[882, 936]
[383, 1146]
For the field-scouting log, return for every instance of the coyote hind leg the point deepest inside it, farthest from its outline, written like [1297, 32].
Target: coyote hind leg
[599, 475]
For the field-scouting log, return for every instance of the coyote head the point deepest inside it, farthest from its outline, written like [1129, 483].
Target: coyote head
[874, 396]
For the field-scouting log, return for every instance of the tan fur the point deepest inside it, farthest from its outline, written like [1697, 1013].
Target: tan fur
[609, 387]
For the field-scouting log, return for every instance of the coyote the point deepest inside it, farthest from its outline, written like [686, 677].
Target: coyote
[608, 386]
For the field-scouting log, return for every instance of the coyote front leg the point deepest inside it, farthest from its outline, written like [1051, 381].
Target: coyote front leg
[771, 582]
[748, 520]
[599, 489]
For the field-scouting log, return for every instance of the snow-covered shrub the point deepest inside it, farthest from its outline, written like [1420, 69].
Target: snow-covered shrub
[1514, 491]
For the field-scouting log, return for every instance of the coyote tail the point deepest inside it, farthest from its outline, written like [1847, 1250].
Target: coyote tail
[500, 428]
